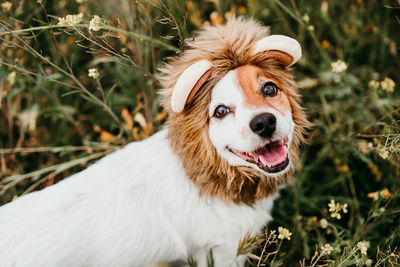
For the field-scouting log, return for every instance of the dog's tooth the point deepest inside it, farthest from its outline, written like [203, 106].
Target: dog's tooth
[263, 161]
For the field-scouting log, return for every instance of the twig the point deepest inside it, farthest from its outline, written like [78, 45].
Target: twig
[12, 180]
[137, 36]
[30, 49]
[382, 118]
[175, 23]
[38, 75]
[56, 149]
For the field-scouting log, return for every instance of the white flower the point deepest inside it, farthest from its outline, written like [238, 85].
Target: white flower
[383, 152]
[388, 85]
[284, 233]
[11, 77]
[326, 249]
[363, 246]
[338, 66]
[344, 208]
[368, 262]
[336, 208]
[95, 23]
[28, 118]
[6, 5]
[70, 20]
[374, 84]
[39, 2]
[306, 18]
[80, 1]
[323, 223]
[94, 73]
[310, 28]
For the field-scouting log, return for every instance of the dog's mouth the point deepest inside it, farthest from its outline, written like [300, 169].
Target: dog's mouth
[272, 157]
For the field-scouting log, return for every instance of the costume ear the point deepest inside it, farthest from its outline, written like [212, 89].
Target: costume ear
[285, 49]
[189, 83]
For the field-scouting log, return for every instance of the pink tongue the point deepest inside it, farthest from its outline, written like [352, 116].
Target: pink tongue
[273, 154]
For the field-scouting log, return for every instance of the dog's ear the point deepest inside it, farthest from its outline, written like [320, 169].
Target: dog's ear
[287, 50]
[189, 83]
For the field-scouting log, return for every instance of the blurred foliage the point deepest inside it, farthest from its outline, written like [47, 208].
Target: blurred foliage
[54, 118]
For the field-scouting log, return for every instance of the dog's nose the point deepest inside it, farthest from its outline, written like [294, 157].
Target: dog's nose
[264, 124]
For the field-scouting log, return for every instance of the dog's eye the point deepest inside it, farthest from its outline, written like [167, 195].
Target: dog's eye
[221, 111]
[269, 89]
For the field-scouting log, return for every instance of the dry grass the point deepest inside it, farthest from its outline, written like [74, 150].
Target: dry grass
[55, 119]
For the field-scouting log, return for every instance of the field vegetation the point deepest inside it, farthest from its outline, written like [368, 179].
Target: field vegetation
[78, 80]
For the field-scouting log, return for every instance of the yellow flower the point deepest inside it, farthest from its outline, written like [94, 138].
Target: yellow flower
[215, 18]
[374, 195]
[128, 125]
[284, 233]
[95, 23]
[385, 193]
[94, 73]
[343, 168]
[242, 9]
[70, 20]
[106, 137]
[338, 66]
[189, 5]
[364, 146]
[388, 85]
[325, 44]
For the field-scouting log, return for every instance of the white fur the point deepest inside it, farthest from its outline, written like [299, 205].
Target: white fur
[134, 207]
[186, 82]
[281, 43]
[234, 131]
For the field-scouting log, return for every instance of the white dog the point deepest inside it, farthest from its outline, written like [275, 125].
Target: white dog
[201, 184]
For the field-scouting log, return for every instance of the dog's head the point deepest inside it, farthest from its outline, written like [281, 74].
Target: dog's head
[234, 113]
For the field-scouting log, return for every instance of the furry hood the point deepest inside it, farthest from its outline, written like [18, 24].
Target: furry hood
[227, 47]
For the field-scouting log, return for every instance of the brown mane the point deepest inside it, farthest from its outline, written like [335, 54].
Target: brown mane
[227, 47]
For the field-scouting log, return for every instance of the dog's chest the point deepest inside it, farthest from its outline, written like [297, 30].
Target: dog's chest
[198, 219]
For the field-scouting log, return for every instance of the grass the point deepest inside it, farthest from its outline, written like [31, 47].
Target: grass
[55, 119]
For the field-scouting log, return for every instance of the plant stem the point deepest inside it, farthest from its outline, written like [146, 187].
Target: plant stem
[140, 37]
[277, 251]
[15, 179]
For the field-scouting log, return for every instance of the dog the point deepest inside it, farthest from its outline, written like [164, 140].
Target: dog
[201, 184]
